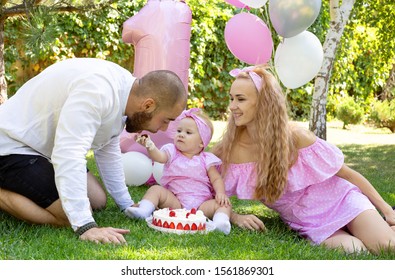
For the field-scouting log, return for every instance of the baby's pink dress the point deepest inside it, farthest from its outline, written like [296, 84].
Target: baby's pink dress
[316, 203]
[187, 178]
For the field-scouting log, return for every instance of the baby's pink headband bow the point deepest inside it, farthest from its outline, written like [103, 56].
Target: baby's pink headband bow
[203, 127]
[254, 76]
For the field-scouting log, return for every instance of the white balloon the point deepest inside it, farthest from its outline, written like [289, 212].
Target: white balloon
[157, 171]
[298, 59]
[254, 3]
[137, 168]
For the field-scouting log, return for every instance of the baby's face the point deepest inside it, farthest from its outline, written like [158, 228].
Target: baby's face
[187, 139]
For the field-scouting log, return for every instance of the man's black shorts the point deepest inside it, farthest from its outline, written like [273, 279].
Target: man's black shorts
[31, 176]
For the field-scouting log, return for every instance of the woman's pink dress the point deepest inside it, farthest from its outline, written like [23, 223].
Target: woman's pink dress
[187, 178]
[316, 203]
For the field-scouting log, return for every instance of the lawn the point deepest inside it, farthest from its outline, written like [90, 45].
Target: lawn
[21, 241]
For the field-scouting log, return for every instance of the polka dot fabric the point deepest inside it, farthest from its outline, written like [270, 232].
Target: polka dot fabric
[187, 178]
[316, 202]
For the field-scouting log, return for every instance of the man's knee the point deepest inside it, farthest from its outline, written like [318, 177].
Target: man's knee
[59, 216]
[96, 194]
[99, 203]
[2, 198]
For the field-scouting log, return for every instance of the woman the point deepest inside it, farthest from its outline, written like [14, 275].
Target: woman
[293, 172]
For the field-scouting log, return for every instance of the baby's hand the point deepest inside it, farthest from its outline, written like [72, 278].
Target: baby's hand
[222, 199]
[146, 141]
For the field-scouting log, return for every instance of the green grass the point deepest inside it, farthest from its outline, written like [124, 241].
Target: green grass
[21, 241]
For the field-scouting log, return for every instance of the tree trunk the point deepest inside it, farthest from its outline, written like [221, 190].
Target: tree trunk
[389, 86]
[3, 82]
[339, 17]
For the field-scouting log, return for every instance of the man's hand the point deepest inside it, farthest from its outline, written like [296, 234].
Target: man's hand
[105, 235]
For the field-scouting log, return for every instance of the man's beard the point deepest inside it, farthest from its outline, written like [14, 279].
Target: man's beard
[137, 122]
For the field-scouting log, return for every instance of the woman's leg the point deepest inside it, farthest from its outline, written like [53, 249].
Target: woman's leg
[344, 240]
[376, 234]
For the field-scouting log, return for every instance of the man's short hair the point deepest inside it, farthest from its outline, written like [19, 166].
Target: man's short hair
[164, 86]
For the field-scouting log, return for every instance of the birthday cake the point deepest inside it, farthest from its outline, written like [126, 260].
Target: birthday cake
[179, 219]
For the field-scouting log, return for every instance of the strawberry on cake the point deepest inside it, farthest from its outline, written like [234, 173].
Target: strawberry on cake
[179, 219]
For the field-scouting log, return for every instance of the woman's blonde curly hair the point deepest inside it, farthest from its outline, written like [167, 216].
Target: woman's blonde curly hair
[274, 140]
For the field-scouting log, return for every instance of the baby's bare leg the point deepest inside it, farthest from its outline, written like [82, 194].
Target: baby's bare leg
[162, 197]
[219, 214]
[156, 196]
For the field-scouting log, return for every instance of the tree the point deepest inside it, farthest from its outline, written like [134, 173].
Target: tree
[388, 90]
[339, 16]
[25, 8]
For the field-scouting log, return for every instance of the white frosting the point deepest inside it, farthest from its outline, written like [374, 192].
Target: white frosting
[182, 220]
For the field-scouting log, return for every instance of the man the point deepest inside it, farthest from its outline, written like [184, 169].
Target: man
[50, 124]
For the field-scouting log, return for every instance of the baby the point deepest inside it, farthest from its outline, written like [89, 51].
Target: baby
[190, 178]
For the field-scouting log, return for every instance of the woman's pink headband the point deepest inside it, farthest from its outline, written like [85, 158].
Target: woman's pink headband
[203, 127]
[254, 76]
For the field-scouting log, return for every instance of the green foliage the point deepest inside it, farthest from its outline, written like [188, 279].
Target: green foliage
[362, 65]
[349, 112]
[46, 37]
[211, 60]
[367, 51]
[40, 29]
[299, 102]
[383, 114]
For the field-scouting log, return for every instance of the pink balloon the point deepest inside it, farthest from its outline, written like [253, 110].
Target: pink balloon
[249, 39]
[160, 33]
[237, 3]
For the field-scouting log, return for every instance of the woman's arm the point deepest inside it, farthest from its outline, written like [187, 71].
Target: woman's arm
[367, 189]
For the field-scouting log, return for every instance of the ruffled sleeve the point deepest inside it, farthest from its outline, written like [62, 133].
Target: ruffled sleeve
[211, 160]
[316, 163]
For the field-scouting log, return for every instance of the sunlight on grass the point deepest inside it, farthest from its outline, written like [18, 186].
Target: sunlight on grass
[167, 252]
[19, 240]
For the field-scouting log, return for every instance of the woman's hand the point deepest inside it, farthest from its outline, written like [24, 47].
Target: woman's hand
[251, 222]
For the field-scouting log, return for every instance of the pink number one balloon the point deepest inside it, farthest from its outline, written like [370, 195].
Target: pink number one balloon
[160, 33]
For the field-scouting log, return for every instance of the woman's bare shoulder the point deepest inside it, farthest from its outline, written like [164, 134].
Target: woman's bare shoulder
[303, 137]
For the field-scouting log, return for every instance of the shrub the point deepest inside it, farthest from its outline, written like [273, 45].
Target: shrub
[349, 112]
[383, 114]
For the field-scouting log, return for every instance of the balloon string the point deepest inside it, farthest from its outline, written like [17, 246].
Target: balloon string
[266, 17]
